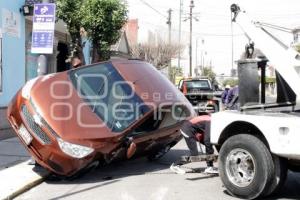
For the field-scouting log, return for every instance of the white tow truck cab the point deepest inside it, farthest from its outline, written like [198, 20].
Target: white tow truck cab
[259, 142]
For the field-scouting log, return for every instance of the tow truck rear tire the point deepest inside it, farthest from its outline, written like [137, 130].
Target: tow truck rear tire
[246, 166]
[279, 177]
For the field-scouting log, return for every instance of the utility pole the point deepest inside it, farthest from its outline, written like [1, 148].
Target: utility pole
[191, 35]
[202, 64]
[179, 33]
[197, 53]
[169, 22]
[232, 51]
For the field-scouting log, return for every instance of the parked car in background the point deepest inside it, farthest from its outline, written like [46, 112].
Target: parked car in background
[201, 94]
[104, 112]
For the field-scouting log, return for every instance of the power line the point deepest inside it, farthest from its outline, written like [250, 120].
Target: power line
[158, 12]
[194, 33]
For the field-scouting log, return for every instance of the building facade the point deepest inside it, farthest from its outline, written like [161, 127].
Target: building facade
[12, 51]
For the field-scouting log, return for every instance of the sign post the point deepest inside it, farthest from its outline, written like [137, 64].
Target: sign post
[43, 28]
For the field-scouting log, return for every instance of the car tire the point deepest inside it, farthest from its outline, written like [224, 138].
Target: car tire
[158, 154]
[246, 166]
[279, 176]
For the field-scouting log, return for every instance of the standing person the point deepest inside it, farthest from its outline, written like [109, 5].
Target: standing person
[225, 93]
[231, 102]
[193, 131]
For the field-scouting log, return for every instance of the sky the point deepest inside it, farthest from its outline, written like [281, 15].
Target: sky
[213, 26]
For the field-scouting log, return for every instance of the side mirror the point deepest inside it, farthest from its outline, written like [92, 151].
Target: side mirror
[131, 150]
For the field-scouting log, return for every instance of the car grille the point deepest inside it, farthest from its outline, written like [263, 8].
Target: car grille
[36, 129]
[43, 121]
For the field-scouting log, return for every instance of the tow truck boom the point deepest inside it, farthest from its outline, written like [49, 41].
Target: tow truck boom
[284, 58]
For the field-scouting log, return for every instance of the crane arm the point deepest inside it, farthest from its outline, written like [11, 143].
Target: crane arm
[284, 58]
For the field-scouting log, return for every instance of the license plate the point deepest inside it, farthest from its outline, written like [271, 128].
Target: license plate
[25, 135]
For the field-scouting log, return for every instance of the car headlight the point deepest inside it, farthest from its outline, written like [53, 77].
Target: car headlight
[74, 150]
[27, 88]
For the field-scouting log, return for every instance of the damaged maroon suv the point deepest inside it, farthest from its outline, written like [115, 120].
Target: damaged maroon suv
[100, 113]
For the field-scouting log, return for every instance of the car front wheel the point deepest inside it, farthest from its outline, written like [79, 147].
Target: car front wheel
[246, 166]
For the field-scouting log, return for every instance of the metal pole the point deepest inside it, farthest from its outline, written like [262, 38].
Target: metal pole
[179, 33]
[169, 22]
[204, 59]
[197, 53]
[191, 36]
[232, 51]
[202, 63]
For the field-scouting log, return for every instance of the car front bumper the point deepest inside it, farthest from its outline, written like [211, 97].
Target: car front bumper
[44, 146]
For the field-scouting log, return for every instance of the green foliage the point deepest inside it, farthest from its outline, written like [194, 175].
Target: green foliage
[298, 48]
[69, 12]
[103, 20]
[208, 72]
[270, 80]
[175, 71]
[230, 81]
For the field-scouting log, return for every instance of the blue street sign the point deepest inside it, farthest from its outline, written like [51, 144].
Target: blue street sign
[43, 28]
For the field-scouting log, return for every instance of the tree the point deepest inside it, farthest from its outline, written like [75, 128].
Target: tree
[101, 19]
[298, 48]
[208, 72]
[157, 53]
[69, 12]
[230, 81]
[175, 71]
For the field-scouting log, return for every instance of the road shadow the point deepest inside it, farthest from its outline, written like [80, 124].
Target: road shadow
[121, 169]
[114, 172]
[290, 190]
[84, 190]
[206, 176]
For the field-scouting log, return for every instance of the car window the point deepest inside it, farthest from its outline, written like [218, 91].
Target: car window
[162, 120]
[109, 95]
[177, 114]
[150, 124]
[202, 84]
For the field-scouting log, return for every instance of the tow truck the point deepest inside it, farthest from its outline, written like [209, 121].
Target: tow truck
[258, 143]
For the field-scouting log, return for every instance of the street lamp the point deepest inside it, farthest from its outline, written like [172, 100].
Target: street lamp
[26, 10]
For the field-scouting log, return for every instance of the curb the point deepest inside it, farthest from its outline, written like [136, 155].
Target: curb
[19, 179]
[27, 187]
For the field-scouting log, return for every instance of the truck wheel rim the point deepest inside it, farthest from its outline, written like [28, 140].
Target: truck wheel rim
[240, 167]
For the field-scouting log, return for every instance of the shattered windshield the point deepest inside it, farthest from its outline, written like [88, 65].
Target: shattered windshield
[109, 95]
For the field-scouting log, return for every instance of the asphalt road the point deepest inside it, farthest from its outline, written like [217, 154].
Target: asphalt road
[142, 180]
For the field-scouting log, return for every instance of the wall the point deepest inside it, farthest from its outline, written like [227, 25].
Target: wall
[13, 53]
